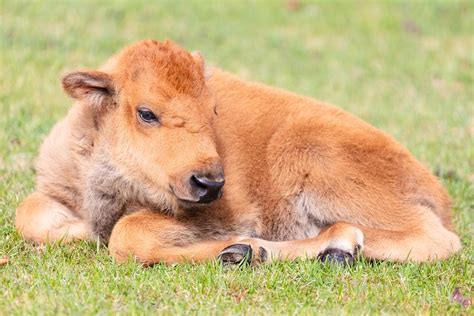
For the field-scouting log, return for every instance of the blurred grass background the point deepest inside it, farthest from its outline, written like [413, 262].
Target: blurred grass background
[406, 67]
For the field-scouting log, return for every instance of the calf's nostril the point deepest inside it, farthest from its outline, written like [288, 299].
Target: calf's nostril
[197, 183]
[204, 182]
[208, 189]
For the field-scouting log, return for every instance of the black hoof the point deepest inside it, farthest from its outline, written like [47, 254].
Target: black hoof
[238, 254]
[337, 256]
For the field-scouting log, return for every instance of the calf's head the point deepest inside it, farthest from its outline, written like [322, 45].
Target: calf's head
[153, 114]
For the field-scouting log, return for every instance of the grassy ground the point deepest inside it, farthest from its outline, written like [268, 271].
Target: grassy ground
[405, 67]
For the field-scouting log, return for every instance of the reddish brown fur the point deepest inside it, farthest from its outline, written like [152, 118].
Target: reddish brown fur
[301, 176]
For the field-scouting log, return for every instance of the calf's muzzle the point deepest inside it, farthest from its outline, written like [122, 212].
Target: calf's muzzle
[207, 186]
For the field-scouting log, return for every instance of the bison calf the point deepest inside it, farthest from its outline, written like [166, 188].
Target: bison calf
[139, 163]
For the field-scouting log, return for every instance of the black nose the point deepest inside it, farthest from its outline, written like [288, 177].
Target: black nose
[209, 189]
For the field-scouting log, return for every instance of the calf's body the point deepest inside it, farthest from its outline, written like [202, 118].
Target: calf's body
[302, 178]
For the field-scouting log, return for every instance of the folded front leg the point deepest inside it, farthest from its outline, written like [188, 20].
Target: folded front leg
[149, 237]
[43, 219]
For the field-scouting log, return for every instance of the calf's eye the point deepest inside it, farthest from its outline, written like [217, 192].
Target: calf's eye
[147, 116]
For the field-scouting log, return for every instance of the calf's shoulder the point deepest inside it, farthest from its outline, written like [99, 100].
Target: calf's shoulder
[65, 156]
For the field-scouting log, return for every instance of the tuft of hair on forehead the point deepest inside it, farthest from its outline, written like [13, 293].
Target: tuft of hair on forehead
[166, 60]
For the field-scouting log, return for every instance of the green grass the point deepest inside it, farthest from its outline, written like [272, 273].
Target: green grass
[405, 67]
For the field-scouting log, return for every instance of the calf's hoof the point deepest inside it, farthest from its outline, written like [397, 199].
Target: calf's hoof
[345, 243]
[237, 254]
[336, 256]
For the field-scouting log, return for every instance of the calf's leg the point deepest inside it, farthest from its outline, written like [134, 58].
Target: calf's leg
[42, 219]
[426, 239]
[337, 243]
[149, 238]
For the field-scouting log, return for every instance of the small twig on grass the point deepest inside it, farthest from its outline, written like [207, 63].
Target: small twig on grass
[4, 261]
[458, 297]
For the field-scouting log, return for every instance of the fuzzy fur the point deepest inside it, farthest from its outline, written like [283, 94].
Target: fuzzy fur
[301, 176]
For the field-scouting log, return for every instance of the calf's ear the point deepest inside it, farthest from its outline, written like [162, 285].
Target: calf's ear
[94, 87]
